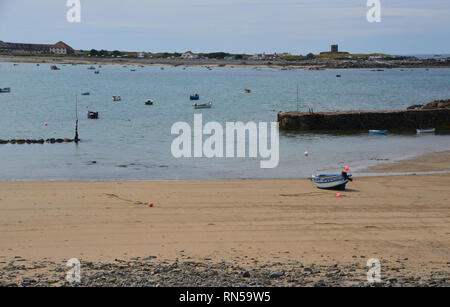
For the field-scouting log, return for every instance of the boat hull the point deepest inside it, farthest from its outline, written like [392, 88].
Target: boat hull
[203, 106]
[422, 131]
[331, 182]
[378, 132]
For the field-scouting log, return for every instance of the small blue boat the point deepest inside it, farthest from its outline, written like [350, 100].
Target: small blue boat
[195, 97]
[5, 90]
[378, 132]
[203, 106]
[332, 182]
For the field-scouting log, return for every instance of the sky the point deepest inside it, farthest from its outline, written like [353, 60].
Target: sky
[236, 26]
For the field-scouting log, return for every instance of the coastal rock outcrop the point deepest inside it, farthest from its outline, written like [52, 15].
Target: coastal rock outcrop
[435, 104]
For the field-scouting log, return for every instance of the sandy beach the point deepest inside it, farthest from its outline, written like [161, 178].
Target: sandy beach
[245, 222]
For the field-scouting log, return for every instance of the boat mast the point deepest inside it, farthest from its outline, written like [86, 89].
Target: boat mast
[76, 117]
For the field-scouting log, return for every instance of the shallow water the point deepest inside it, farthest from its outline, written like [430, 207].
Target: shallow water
[133, 134]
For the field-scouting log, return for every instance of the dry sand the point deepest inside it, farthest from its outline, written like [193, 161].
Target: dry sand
[391, 218]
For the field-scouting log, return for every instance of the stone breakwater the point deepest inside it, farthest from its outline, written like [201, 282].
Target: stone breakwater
[36, 141]
[435, 114]
[150, 272]
[365, 120]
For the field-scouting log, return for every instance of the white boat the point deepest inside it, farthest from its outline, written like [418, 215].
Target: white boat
[428, 130]
[116, 98]
[332, 182]
[203, 106]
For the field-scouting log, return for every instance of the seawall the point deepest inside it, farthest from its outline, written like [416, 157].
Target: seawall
[365, 120]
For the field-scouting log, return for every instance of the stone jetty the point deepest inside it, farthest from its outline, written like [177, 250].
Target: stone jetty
[35, 141]
[436, 114]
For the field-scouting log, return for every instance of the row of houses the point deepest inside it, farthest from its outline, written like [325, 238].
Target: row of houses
[188, 55]
[58, 48]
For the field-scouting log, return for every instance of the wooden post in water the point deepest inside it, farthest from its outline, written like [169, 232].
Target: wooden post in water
[76, 117]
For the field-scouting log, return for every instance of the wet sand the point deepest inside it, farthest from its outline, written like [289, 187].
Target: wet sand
[433, 162]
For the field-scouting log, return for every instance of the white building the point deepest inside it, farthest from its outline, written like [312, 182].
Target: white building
[189, 55]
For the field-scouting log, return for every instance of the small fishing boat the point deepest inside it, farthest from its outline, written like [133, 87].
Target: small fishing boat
[91, 68]
[203, 106]
[85, 94]
[195, 97]
[54, 67]
[378, 132]
[149, 102]
[5, 90]
[332, 182]
[427, 130]
[92, 115]
[247, 90]
[116, 98]
[338, 76]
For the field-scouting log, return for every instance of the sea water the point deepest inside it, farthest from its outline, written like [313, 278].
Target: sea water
[131, 140]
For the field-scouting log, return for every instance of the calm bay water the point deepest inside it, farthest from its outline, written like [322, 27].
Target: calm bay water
[130, 133]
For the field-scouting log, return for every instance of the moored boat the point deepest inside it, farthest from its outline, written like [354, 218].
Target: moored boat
[92, 115]
[5, 90]
[378, 132]
[85, 94]
[203, 106]
[195, 97]
[427, 130]
[149, 102]
[116, 98]
[332, 182]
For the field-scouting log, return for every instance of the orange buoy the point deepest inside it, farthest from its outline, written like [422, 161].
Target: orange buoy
[150, 204]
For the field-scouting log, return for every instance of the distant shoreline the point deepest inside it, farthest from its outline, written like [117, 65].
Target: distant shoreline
[315, 64]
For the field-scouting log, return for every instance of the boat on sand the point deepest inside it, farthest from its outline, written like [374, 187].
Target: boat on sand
[332, 182]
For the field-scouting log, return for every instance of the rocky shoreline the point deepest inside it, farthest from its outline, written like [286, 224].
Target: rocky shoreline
[151, 272]
[314, 64]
